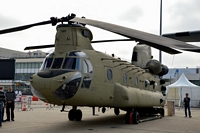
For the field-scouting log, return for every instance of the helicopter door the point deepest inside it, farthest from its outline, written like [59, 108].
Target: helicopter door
[87, 74]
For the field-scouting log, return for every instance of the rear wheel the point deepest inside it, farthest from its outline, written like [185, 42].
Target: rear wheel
[136, 117]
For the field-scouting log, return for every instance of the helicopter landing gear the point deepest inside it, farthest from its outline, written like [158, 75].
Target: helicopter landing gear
[116, 111]
[75, 114]
[132, 117]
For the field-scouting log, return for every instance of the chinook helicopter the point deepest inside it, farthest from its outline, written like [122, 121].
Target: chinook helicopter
[75, 74]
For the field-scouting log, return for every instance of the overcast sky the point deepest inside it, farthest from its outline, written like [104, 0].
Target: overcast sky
[144, 15]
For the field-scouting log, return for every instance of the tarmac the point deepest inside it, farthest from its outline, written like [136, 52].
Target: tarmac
[44, 118]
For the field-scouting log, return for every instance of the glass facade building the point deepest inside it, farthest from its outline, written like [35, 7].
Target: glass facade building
[25, 66]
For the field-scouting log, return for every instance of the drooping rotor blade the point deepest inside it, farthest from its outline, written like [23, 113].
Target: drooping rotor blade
[53, 21]
[165, 44]
[39, 47]
[187, 36]
[115, 40]
[23, 27]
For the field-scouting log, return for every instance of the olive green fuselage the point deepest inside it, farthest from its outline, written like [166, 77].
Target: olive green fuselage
[113, 83]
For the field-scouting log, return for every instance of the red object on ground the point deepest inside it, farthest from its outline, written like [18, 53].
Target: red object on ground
[34, 98]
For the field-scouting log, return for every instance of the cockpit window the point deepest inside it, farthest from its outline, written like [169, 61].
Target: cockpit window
[57, 63]
[47, 63]
[72, 63]
[78, 53]
[87, 66]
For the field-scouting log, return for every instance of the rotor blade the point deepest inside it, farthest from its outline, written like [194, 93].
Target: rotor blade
[24, 27]
[116, 40]
[187, 36]
[39, 47]
[165, 44]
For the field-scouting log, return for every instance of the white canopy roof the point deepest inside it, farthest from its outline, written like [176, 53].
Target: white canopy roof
[183, 81]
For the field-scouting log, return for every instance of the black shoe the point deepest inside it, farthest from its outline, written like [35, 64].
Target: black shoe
[4, 121]
[0, 125]
[7, 120]
[185, 116]
[13, 120]
[190, 116]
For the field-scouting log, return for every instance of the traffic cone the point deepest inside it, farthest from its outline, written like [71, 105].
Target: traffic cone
[24, 106]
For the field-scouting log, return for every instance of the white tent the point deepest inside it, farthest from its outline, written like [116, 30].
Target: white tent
[176, 92]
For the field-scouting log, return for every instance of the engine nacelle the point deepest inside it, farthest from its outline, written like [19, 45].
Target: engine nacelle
[154, 67]
[164, 70]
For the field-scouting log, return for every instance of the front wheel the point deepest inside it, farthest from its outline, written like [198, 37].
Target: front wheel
[78, 115]
[71, 115]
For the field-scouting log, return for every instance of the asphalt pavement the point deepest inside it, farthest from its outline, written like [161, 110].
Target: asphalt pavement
[42, 118]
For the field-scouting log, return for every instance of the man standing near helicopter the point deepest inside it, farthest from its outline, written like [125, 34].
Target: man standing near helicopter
[10, 98]
[187, 105]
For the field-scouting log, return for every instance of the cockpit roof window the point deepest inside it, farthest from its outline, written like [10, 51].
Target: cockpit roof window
[78, 53]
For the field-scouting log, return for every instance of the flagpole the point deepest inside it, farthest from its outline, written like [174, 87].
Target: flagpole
[160, 52]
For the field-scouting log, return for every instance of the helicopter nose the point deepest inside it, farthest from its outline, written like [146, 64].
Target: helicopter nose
[69, 88]
[35, 91]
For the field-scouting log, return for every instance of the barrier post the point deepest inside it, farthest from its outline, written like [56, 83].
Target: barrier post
[29, 103]
[24, 103]
[171, 108]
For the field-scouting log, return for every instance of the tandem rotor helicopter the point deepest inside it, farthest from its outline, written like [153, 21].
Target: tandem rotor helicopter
[76, 75]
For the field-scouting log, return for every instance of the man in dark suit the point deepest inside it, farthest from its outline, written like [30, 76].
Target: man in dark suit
[187, 105]
[10, 98]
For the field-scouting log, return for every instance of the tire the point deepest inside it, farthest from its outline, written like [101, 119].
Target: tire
[71, 115]
[116, 111]
[136, 119]
[78, 115]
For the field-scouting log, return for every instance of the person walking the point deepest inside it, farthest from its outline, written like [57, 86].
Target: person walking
[2, 104]
[10, 98]
[187, 105]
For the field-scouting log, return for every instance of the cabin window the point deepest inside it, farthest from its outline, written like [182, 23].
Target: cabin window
[57, 63]
[72, 63]
[109, 74]
[136, 81]
[125, 78]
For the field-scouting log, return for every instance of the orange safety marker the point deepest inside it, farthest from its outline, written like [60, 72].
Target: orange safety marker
[24, 106]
